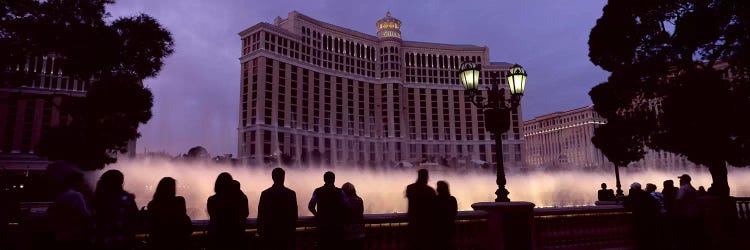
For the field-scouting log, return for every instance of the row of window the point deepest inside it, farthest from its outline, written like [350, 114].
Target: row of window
[363, 151]
[341, 54]
[28, 116]
[328, 104]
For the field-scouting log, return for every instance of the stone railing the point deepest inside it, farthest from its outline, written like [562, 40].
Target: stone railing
[383, 231]
[554, 228]
[590, 227]
[743, 209]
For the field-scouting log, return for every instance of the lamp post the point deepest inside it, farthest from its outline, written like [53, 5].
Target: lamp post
[496, 109]
[617, 181]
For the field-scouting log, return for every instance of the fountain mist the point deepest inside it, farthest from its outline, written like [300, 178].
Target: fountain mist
[383, 191]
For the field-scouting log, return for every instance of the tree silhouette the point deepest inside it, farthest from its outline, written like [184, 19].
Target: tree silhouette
[112, 58]
[679, 81]
[196, 153]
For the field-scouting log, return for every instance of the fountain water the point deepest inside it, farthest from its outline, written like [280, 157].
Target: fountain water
[383, 191]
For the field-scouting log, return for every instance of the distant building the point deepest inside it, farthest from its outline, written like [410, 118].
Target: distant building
[562, 140]
[29, 109]
[311, 91]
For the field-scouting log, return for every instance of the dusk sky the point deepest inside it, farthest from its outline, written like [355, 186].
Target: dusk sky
[196, 95]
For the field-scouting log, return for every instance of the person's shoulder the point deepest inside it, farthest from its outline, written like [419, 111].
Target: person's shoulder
[266, 191]
[70, 194]
[355, 198]
[127, 196]
[289, 191]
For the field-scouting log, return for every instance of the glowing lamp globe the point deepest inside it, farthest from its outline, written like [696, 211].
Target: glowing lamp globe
[469, 75]
[517, 80]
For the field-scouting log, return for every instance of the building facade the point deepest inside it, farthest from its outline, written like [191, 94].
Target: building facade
[312, 90]
[562, 140]
[30, 107]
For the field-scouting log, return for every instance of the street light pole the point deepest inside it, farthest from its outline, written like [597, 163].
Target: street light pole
[617, 181]
[496, 110]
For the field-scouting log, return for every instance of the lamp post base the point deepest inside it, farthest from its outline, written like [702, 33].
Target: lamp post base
[502, 195]
[510, 225]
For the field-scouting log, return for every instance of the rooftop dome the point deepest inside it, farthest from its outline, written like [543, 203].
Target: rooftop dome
[388, 27]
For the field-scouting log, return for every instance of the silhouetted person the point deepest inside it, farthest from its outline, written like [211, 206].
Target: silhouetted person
[701, 191]
[70, 216]
[355, 230]
[645, 211]
[670, 195]
[277, 214]
[687, 216]
[606, 194]
[115, 213]
[659, 197]
[446, 209]
[228, 211]
[420, 214]
[170, 225]
[328, 204]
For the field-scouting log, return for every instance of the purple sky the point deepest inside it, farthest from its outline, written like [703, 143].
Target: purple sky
[196, 95]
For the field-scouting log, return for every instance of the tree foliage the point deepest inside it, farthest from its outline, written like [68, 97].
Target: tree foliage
[679, 80]
[197, 152]
[112, 56]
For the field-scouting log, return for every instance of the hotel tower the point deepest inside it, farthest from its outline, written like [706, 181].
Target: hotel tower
[313, 91]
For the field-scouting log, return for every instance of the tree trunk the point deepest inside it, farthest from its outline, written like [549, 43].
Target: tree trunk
[720, 185]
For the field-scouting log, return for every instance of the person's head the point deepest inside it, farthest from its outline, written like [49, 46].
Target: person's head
[604, 185]
[110, 182]
[73, 179]
[278, 176]
[684, 179]
[635, 186]
[423, 176]
[223, 182]
[668, 184]
[650, 187]
[701, 189]
[235, 185]
[329, 177]
[442, 188]
[166, 188]
[349, 189]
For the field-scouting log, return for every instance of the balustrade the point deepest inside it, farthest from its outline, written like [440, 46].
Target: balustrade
[589, 227]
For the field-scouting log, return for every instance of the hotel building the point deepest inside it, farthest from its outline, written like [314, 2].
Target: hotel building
[313, 88]
[562, 140]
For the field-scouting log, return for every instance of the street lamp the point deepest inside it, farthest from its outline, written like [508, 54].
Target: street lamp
[496, 109]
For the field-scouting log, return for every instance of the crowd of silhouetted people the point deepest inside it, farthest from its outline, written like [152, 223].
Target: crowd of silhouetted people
[111, 219]
[669, 219]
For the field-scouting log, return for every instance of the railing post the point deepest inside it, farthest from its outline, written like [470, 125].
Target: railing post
[510, 225]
